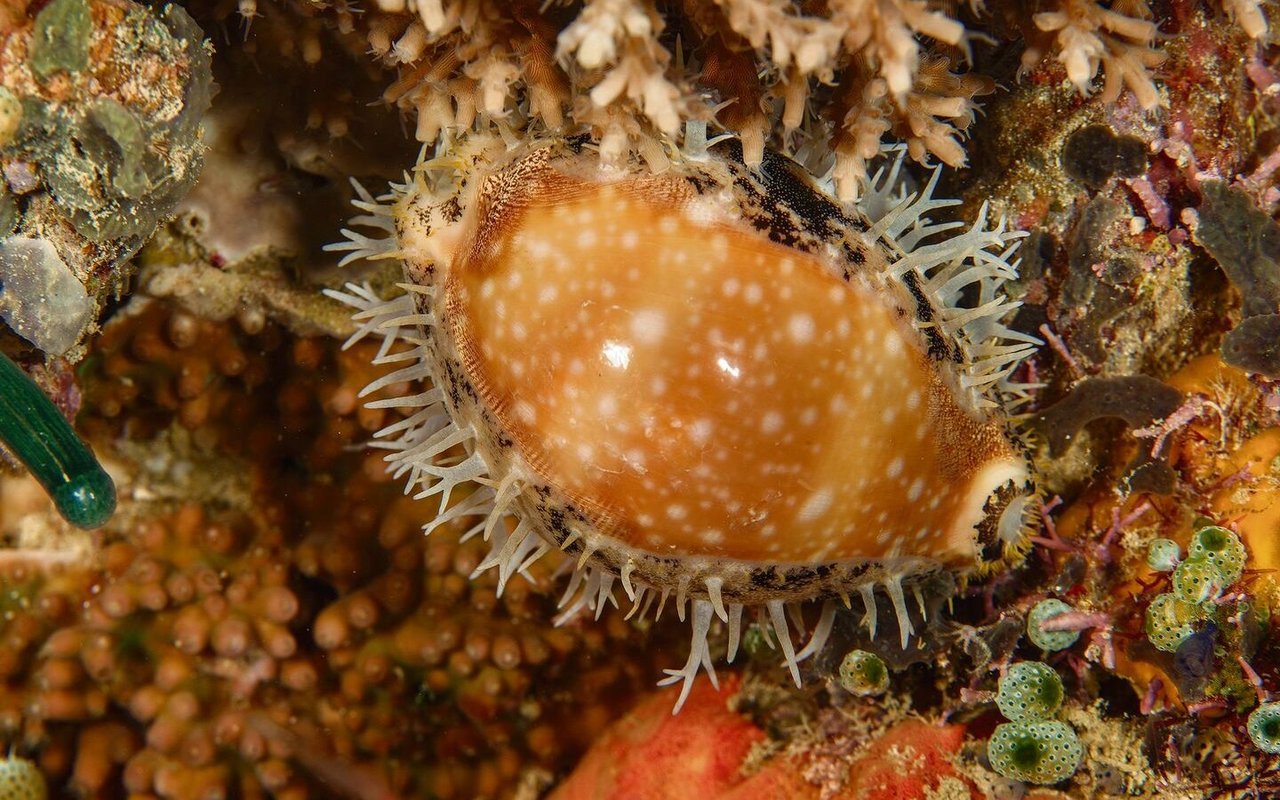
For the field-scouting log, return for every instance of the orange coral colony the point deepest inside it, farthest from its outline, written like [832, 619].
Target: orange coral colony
[691, 386]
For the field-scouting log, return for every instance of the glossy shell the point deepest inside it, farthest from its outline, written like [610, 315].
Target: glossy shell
[710, 382]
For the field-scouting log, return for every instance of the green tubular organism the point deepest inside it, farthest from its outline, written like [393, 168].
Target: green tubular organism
[36, 432]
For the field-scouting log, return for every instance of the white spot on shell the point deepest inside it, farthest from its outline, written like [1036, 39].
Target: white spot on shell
[815, 505]
[648, 325]
[801, 328]
[916, 488]
[700, 431]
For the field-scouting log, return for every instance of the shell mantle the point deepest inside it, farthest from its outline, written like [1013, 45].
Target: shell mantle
[714, 382]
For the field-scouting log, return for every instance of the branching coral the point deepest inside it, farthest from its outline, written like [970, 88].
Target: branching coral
[631, 72]
[616, 42]
[1088, 34]
[826, 81]
[1119, 39]
[1248, 15]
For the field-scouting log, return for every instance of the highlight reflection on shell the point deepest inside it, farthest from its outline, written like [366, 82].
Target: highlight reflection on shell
[711, 382]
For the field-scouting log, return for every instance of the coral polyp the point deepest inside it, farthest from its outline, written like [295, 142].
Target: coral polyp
[710, 383]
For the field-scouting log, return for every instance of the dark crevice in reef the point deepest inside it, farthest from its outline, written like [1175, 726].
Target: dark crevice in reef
[1094, 154]
[1138, 400]
[1246, 244]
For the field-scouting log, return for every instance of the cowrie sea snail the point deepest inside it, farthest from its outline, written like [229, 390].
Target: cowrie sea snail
[713, 384]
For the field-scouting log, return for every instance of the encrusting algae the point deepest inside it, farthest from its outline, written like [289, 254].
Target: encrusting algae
[667, 312]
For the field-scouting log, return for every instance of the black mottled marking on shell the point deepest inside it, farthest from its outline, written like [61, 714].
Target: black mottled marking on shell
[552, 515]
[459, 386]
[767, 577]
[559, 527]
[780, 201]
[786, 185]
[700, 184]
[794, 578]
[417, 217]
[801, 577]
[939, 348]
[451, 209]
[451, 386]
[773, 220]
[463, 381]
[460, 390]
